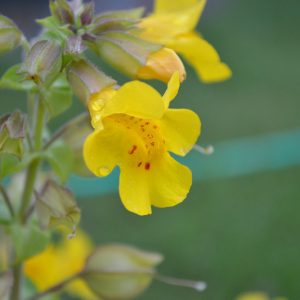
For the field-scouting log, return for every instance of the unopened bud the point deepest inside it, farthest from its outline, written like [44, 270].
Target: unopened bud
[10, 35]
[161, 65]
[125, 52]
[12, 132]
[56, 206]
[43, 62]
[86, 79]
[119, 272]
[87, 13]
[62, 11]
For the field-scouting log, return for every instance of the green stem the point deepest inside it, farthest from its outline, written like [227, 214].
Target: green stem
[29, 188]
[33, 167]
[15, 291]
[7, 201]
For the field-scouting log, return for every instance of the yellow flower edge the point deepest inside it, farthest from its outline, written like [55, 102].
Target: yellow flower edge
[172, 24]
[135, 129]
[59, 262]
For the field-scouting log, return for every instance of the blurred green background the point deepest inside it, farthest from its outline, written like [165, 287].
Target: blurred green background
[236, 233]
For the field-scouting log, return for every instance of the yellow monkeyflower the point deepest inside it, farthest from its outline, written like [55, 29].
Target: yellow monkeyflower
[135, 129]
[173, 24]
[59, 262]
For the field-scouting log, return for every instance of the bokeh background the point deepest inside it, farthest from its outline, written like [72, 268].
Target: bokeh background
[239, 228]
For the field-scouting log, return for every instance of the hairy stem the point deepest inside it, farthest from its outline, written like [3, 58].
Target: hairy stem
[33, 167]
[15, 291]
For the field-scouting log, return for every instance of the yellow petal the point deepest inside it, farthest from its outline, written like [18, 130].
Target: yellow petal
[137, 99]
[170, 182]
[202, 56]
[161, 65]
[172, 89]
[134, 189]
[171, 21]
[102, 150]
[181, 129]
[165, 6]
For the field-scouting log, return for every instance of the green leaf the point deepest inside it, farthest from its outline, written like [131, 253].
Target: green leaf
[61, 159]
[14, 80]
[8, 163]
[28, 240]
[59, 97]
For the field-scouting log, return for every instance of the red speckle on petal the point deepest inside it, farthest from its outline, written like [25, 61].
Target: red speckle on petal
[147, 166]
[133, 149]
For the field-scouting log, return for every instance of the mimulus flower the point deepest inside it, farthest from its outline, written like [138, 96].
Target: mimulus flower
[135, 130]
[172, 24]
[59, 262]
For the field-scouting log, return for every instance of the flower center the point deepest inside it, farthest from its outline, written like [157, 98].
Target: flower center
[144, 138]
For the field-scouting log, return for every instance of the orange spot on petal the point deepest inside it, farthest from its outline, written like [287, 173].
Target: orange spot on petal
[147, 166]
[133, 149]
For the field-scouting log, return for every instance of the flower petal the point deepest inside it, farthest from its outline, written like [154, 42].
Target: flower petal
[202, 56]
[171, 19]
[134, 189]
[172, 89]
[181, 129]
[137, 99]
[170, 182]
[102, 150]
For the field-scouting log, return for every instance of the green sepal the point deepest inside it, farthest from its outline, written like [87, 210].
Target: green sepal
[56, 206]
[14, 80]
[126, 52]
[12, 133]
[28, 240]
[10, 35]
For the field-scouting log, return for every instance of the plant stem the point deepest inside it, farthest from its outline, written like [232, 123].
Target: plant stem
[33, 167]
[54, 288]
[15, 291]
[7, 201]
[29, 187]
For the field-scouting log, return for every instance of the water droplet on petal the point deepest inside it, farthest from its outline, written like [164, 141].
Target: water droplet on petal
[103, 171]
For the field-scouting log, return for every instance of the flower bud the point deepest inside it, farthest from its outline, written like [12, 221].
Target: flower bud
[43, 62]
[12, 132]
[86, 79]
[56, 206]
[10, 35]
[119, 272]
[62, 11]
[161, 65]
[125, 52]
[87, 13]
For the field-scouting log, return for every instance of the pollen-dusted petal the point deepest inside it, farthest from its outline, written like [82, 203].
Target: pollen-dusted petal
[181, 129]
[170, 182]
[136, 99]
[102, 150]
[202, 56]
[172, 89]
[134, 188]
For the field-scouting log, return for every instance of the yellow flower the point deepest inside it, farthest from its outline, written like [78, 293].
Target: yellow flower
[173, 24]
[161, 65]
[59, 262]
[135, 129]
